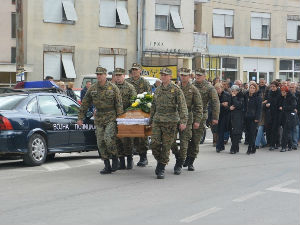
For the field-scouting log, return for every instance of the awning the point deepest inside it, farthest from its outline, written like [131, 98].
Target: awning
[123, 15]
[70, 10]
[176, 18]
[68, 65]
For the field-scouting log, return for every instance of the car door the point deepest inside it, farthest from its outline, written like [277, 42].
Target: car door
[53, 122]
[82, 137]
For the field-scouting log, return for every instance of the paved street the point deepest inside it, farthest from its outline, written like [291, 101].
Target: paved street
[225, 189]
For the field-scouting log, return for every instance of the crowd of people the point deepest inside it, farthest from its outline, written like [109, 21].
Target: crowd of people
[268, 114]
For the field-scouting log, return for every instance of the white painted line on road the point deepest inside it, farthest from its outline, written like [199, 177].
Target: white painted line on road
[93, 161]
[56, 166]
[280, 187]
[200, 215]
[247, 197]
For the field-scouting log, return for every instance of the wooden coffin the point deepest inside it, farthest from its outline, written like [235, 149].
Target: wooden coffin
[134, 130]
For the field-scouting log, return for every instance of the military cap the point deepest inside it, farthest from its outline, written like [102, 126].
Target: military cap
[100, 70]
[119, 71]
[136, 66]
[184, 71]
[200, 71]
[166, 71]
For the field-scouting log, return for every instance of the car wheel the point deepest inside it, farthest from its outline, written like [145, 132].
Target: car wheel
[50, 156]
[37, 151]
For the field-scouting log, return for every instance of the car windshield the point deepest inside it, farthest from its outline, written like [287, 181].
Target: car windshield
[9, 102]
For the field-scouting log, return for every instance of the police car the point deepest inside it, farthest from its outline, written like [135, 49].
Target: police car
[36, 125]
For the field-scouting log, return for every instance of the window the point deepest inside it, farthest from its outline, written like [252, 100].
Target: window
[10, 102]
[13, 55]
[229, 63]
[167, 17]
[293, 28]
[69, 106]
[260, 26]
[60, 11]
[32, 106]
[13, 2]
[113, 13]
[286, 64]
[58, 63]
[13, 25]
[289, 69]
[110, 62]
[49, 106]
[223, 23]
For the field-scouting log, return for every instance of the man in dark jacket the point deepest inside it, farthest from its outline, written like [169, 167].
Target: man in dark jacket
[84, 90]
[289, 119]
[273, 115]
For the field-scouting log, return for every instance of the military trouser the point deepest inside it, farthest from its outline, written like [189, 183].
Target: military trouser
[124, 147]
[141, 145]
[184, 136]
[197, 134]
[106, 139]
[162, 138]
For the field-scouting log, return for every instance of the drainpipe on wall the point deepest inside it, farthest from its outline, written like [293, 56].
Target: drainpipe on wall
[20, 41]
[140, 29]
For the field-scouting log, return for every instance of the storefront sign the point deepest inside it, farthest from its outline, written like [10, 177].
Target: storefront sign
[154, 71]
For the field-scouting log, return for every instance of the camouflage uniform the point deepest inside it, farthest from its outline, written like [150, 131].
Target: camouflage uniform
[194, 105]
[167, 110]
[127, 91]
[141, 85]
[108, 103]
[208, 94]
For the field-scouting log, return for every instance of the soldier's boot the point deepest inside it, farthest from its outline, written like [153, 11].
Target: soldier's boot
[178, 167]
[191, 166]
[160, 171]
[156, 169]
[122, 163]
[129, 162]
[186, 162]
[115, 164]
[143, 160]
[107, 167]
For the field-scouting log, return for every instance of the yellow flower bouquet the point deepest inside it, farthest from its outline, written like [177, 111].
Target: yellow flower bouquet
[142, 101]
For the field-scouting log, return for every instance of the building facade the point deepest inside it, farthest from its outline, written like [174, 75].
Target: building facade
[167, 35]
[249, 40]
[69, 38]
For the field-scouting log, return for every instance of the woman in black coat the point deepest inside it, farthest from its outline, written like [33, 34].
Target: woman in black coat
[236, 117]
[224, 116]
[253, 103]
[289, 117]
[273, 114]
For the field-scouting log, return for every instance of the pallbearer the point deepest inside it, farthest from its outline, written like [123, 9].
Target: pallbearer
[167, 110]
[106, 98]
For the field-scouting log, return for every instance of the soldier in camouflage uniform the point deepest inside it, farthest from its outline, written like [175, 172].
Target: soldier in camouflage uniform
[167, 110]
[107, 100]
[208, 94]
[141, 85]
[194, 104]
[127, 92]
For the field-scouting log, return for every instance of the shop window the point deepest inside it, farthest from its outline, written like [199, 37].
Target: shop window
[229, 63]
[286, 64]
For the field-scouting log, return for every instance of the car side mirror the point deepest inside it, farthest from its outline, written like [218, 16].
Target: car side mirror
[89, 115]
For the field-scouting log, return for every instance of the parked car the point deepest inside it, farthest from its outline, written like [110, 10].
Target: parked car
[37, 125]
